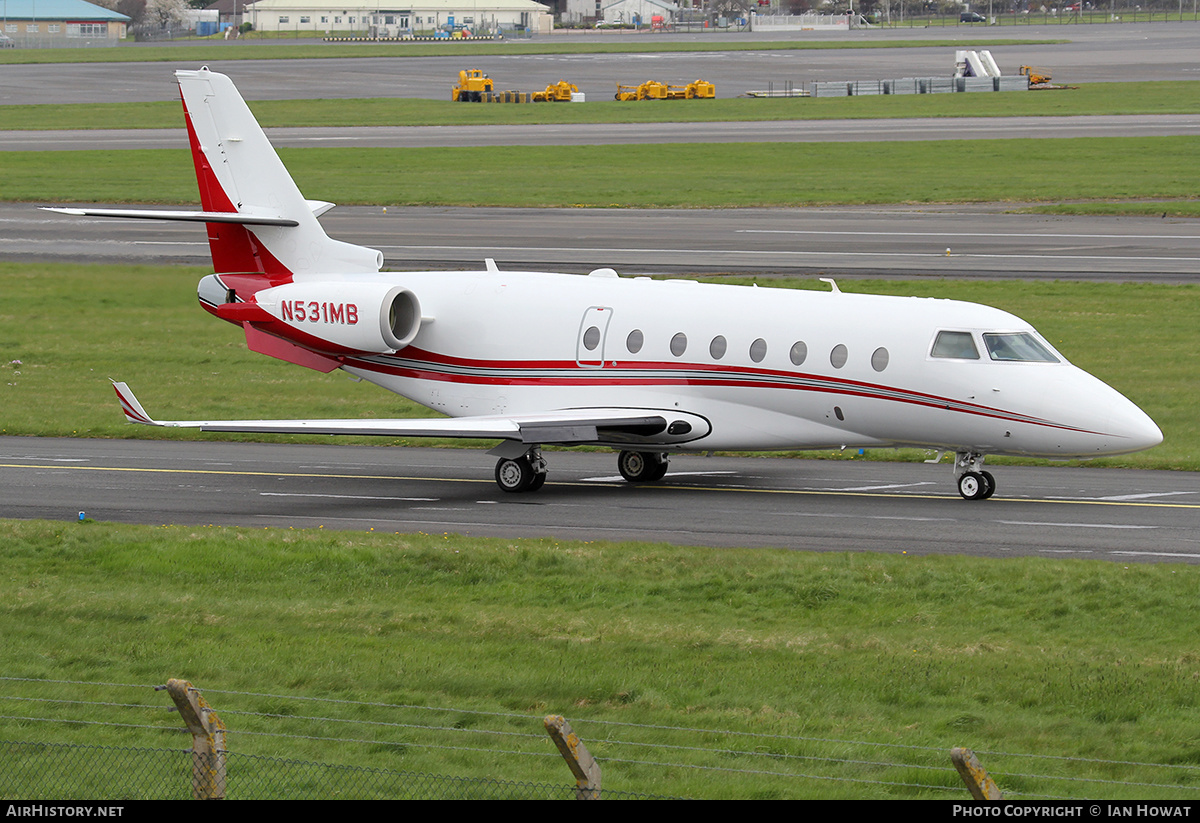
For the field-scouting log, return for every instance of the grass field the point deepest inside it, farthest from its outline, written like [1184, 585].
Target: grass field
[682, 176]
[74, 327]
[1078, 659]
[1167, 97]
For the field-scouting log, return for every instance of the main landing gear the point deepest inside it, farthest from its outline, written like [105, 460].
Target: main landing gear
[642, 467]
[973, 482]
[527, 472]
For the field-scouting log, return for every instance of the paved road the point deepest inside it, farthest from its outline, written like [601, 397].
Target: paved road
[1124, 516]
[984, 241]
[591, 134]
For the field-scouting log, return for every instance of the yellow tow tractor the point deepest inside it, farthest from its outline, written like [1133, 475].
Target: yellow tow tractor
[654, 90]
[472, 85]
[559, 92]
[696, 90]
[650, 90]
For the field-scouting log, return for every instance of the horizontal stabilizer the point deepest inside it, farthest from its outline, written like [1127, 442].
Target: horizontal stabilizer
[189, 216]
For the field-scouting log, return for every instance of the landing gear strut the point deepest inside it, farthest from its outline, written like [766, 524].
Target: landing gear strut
[642, 467]
[526, 473]
[973, 482]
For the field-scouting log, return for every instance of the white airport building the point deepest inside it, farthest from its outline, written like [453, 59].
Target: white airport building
[387, 18]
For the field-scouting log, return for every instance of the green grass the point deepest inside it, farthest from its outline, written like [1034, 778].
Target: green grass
[74, 327]
[1167, 97]
[644, 176]
[1047, 657]
[276, 50]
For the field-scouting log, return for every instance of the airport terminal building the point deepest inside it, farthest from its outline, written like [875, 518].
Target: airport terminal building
[387, 18]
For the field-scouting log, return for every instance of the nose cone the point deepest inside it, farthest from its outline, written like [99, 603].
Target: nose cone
[1138, 429]
[1115, 423]
[1081, 416]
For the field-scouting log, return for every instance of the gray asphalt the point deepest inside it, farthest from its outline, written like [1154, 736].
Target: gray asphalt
[984, 241]
[590, 134]
[1122, 516]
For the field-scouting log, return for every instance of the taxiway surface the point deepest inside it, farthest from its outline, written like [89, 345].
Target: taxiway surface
[968, 241]
[814, 505]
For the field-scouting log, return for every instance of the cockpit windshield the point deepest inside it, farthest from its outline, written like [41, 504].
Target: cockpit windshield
[959, 345]
[1020, 346]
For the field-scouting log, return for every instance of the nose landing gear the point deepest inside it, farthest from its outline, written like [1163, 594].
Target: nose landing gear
[973, 482]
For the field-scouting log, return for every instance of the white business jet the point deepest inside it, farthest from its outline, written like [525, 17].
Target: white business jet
[644, 366]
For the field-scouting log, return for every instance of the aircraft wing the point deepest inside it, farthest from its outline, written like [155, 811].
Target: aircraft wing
[616, 426]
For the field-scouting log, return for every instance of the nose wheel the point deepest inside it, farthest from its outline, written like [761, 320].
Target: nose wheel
[976, 485]
[973, 482]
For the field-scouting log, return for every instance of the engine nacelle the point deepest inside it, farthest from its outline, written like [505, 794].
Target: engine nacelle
[359, 317]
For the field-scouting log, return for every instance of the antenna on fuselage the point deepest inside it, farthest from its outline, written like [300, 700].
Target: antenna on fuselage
[832, 284]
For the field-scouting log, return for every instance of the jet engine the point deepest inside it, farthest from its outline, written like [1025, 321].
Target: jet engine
[359, 317]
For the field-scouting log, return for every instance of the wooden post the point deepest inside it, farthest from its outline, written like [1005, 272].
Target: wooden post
[579, 759]
[208, 740]
[973, 774]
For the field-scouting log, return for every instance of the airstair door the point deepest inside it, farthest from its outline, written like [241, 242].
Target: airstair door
[593, 331]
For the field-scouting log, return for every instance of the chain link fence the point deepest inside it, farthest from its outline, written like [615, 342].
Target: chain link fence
[68, 771]
[113, 742]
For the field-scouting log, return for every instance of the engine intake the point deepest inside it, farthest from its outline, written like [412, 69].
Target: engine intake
[360, 317]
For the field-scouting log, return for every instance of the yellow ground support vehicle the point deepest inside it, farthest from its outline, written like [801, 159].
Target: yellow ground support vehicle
[1036, 76]
[654, 90]
[559, 92]
[472, 83]
[650, 90]
[696, 90]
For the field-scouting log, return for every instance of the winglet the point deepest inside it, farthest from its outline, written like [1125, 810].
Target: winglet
[134, 412]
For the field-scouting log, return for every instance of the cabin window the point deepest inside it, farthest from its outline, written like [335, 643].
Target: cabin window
[591, 338]
[1020, 346]
[634, 341]
[717, 347]
[758, 350]
[955, 344]
[838, 357]
[679, 344]
[799, 352]
[879, 359]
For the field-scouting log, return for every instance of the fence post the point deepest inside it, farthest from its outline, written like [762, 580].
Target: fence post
[579, 759]
[208, 740]
[974, 775]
